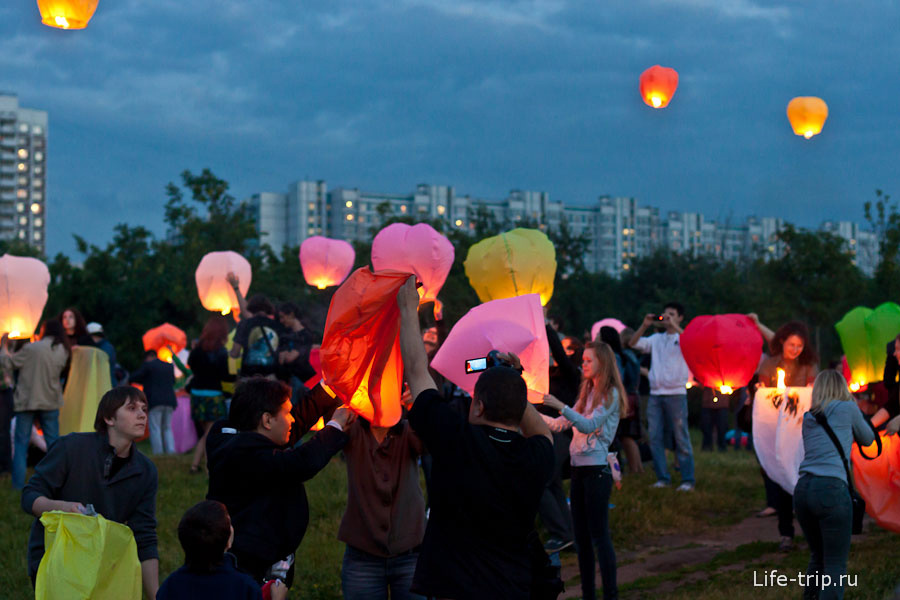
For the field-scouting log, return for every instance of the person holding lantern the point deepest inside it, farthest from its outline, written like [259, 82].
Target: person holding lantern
[594, 420]
[488, 477]
[891, 368]
[790, 352]
[668, 377]
[38, 394]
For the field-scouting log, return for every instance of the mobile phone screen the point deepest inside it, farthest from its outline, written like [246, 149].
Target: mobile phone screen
[474, 365]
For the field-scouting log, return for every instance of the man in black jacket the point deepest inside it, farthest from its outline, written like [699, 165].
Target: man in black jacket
[106, 470]
[258, 479]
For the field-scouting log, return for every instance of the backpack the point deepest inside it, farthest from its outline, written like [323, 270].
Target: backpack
[260, 357]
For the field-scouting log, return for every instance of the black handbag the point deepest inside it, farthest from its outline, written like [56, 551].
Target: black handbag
[859, 505]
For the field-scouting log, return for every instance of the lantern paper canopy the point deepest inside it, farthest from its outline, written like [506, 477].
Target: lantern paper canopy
[360, 350]
[722, 351]
[865, 334]
[215, 292]
[515, 263]
[67, 14]
[807, 115]
[23, 294]
[416, 249]
[878, 480]
[616, 324]
[326, 262]
[508, 325]
[658, 85]
[166, 340]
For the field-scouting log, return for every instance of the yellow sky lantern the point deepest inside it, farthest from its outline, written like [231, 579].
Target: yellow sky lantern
[515, 263]
[807, 115]
[658, 85]
[67, 14]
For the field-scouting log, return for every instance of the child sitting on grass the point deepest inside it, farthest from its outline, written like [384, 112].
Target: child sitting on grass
[209, 571]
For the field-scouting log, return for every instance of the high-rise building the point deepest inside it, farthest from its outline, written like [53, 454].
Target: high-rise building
[23, 172]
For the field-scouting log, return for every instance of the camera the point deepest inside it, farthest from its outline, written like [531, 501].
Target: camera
[476, 365]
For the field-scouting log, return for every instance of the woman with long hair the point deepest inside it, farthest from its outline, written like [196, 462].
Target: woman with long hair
[209, 364]
[75, 327]
[629, 431]
[594, 419]
[38, 394]
[822, 497]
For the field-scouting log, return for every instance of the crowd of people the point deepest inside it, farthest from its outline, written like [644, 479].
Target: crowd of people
[493, 462]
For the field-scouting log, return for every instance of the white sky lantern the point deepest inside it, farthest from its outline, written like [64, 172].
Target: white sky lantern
[215, 292]
[23, 294]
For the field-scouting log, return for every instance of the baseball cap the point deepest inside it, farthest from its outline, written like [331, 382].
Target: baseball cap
[94, 328]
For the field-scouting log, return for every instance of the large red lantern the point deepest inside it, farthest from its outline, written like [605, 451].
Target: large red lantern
[166, 340]
[67, 14]
[722, 351]
[325, 262]
[658, 85]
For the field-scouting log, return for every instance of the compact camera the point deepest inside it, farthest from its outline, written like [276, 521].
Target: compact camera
[476, 365]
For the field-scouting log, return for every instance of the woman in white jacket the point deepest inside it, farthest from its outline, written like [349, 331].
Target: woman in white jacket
[601, 403]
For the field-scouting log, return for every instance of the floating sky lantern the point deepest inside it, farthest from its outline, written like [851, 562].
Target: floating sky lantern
[508, 325]
[360, 350]
[416, 249]
[722, 351]
[515, 263]
[807, 115]
[658, 85]
[67, 14]
[166, 340]
[23, 294]
[325, 262]
[214, 290]
[865, 334]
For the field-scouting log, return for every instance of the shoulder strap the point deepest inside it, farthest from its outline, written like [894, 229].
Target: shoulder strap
[265, 336]
[821, 420]
[877, 442]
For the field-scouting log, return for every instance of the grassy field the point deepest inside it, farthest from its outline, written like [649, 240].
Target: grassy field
[729, 489]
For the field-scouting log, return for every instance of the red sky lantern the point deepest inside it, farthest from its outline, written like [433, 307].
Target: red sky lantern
[67, 14]
[722, 351]
[658, 85]
[165, 339]
[325, 262]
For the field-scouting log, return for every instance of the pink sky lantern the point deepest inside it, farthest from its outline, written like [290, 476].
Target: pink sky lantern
[326, 262]
[508, 325]
[23, 294]
[416, 249]
[616, 324]
[722, 351]
[166, 340]
[215, 292]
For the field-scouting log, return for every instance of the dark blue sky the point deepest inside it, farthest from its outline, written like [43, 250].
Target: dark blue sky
[480, 94]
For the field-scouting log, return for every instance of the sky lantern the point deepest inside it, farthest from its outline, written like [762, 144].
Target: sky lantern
[416, 249]
[508, 325]
[67, 14]
[658, 85]
[722, 351]
[325, 262]
[807, 115]
[865, 334]
[215, 292]
[23, 294]
[166, 340]
[360, 350]
[616, 324]
[515, 263]
[878, 480]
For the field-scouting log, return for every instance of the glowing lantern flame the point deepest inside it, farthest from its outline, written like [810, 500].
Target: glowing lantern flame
[67, 14]
[688, 385]
[166, 340]
[855, 386]
[726, 389]
[807, 115]
[780, 384]
[658, 85]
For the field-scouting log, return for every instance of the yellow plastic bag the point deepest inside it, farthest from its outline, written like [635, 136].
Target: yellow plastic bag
[87, 557]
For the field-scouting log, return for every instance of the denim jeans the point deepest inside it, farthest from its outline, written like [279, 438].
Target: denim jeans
[49, 420]
[161, 437]
[672, 409]
[365, 576]
[825, 515]
[591, 487]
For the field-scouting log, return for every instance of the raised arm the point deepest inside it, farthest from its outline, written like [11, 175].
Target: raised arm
[415, 359]
[648, 319]
[234, 282]
[767, 333]
[533, 423]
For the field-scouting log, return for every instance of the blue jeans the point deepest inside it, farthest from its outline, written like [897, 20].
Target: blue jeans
[24, 420]
[671, 409]
[591, 487]
[365, 576]
[162, 440]
[825, 514]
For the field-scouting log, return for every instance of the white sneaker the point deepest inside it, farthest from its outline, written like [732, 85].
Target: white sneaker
[686, 487]
[660, 484]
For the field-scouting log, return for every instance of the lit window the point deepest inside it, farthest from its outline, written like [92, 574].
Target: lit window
[459, 222]
[441, 209]
[23, 181]
[23, 128]
[21, 193]
[37, 183]
[403, 208]
[311, 230]
[23, 220]
[349, 217]
[626, 266]
[349, 204]
[35, 208]
[20, 207]
[36, 235]
[22, 167]
[36, 130]
[312, 206]
[22, 234]
[23, 153]
[625, 231]
[38, 170]
[37, 196]
[38, 222]
[38, 156]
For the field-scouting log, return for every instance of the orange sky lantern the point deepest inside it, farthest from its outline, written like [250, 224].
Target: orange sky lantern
[23, 294]
[215, 292]
[658, 85]
[165, 339]
[325, 262]
[67, 14]
[807, 115]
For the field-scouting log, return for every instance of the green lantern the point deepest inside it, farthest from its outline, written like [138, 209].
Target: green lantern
[864, 335]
